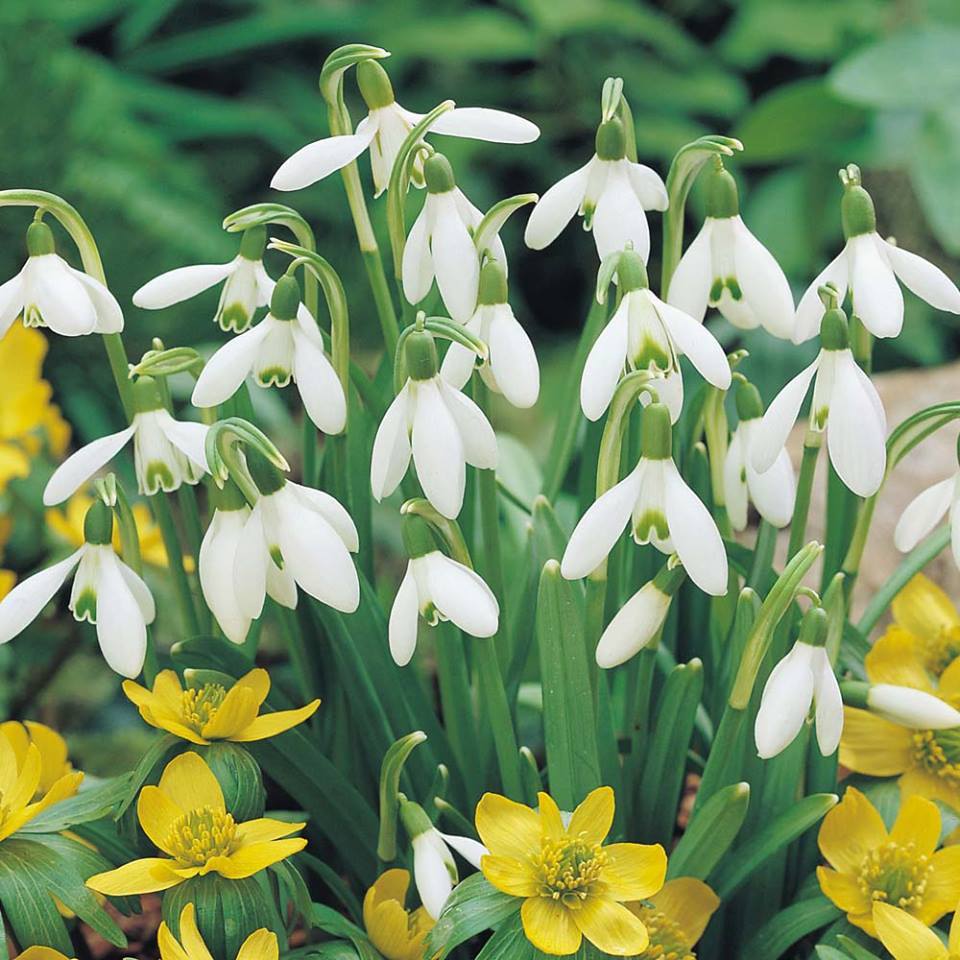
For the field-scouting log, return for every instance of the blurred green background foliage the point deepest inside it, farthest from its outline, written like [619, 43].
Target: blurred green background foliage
[156, 118]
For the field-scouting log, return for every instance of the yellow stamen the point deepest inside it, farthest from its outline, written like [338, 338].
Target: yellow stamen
[895, 873]
[202, 834]
[569, 869]
[938, 752]
[667, 939]
[201, 704]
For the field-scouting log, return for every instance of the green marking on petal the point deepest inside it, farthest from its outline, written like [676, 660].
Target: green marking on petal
[158, 476]
[86, 606]
[273, 377]
[650, 525]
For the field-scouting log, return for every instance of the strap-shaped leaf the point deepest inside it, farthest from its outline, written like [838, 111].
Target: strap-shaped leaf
[91, 803]
[711, 833]
[474, 906]
[788, 926]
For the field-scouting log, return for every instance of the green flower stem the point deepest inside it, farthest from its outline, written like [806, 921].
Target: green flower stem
[453, 678]
[190, 512]
[763, 550]
[808, 464]
[494, 696]
[377, 278]
[912, 564]
[178, 576]
[858, 543]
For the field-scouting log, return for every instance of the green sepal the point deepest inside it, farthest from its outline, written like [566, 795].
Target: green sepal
[239, 777]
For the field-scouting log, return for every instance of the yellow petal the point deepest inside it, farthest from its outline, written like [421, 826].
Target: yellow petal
[894, 659]
[510, 876]
[15, 733]
[507, 828]
[190, 936]
[850, 831]
[918, 821]
[137, 695]
[904, 936]
[13, 463]
[270, 724]
[549, 926]
[40, 953]
[949, 686]
[170, 948]
[28, 779]
[874, 746]
[689, 903]
[264, 829]
[594, 817]
[190, 783]
[10, 763]
[164, 720]
[258, 682]
[634, 871]
[260, 945]
[65, 787]
[247, 861]
[611, 927]
[953, 942]
[390, 885]
[551, 820]
[924, 609]
[53, 753]
[843, 890]
[237, 711]
[157, 814]
[388, 928]
[168, 691]
[919, 782]
[943, 885]
[149, 875]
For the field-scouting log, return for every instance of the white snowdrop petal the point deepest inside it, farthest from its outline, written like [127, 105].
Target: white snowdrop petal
[11, 302]
[601, 526]
[417, 262]
[61, 298]
[770, 435]
[438, 452]
[912, 708]
[694, 534]
[555, 209]
[218, 551]
[225, 371]
[922, 514]
[281, 586]
[23, 604]
[955, 533]
[605, 363]
[250, 565]
[482, 123]
[877, 299]
[633, 627]
[784, 705]
[391, 447]
[763, 283]
[619, 218]
[319, 386]
[925, 279]
[829, 716]
[433, 880]
[331, 510]
[455, 260]
[856, 439]
[141, 592]
[187, 436]
[462, 596]
[697, 342]
[735, 482]
[321, 158]
[513, 359]
[181, 284]
[647, 184]
[806, 323]
[476, 434]
[404, 620]
[774, 491]
[691, 281]
[471, 850]
[121, 630]
[458, 361]
[80, 466]
[109, 314]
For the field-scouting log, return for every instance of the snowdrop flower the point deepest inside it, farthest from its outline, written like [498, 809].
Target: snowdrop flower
[434, 870]
[511, 367]
[662, 510]
[640, 619]
[166, 452]
[925, 511]
[440, 244]
[48, 292]
[804, 677]
[106, 592]
[845, 405]
[246, 284]
[647, 334]
[436, 588]
[728, 268]
[611, 193]
[869, 267]
[905, 706]
[384, 130]
[772, 492]
[293, 537]
[286, 345]
[218, 552]
[442, 429]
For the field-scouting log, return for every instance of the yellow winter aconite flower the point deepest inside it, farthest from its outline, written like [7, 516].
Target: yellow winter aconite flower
[902, 868]
[260, 945]
[397, 933]
[675, 918]
[52, 747]
[185, 817]
[41, 953]
[906, 938]
[571, 884]
[19, 787]
[212, 712]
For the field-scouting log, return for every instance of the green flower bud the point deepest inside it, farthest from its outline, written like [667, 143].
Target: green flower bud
[265, 475]
[146, 395]
[421, 355]
[632, 272]
[749, 404]
[656, 435]
[375, 86]
[834, 333]
[857, 212]
[723, 199]
[438, 174]
[98, 524]
[286, 298]
[493, 284]
[239, 777]
[813, 627]
[39, 239]
[253, 243]
[611, 142]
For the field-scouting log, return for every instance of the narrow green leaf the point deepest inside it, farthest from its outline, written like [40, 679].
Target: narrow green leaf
[711, 833]
[92, 803]
[854, 949]
[474, 906]
[791, 924]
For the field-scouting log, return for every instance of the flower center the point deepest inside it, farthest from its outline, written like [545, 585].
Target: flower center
[569, 869]
[200, 705]
[939, 651]
[938, 752]
[667, 939]
[895, 873]
[200, 835]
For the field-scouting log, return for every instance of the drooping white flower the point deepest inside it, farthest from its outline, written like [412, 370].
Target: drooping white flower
[925, 511]
[845, 405]
[106, 592]
[662, 511]
[436, 587]
[772, 492]
[639, 620]
[440, 244]
[910, 708]
[870, 267]
[166, 452]
[294, 536]
[511, 367]
[803, 678]
[610, 192]
[286, 345]
[48, 292]
[384, 130]
[440, 427]
[246, 284]
[647, 334]
[434, 870]
[728, 268]
[218, 552]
